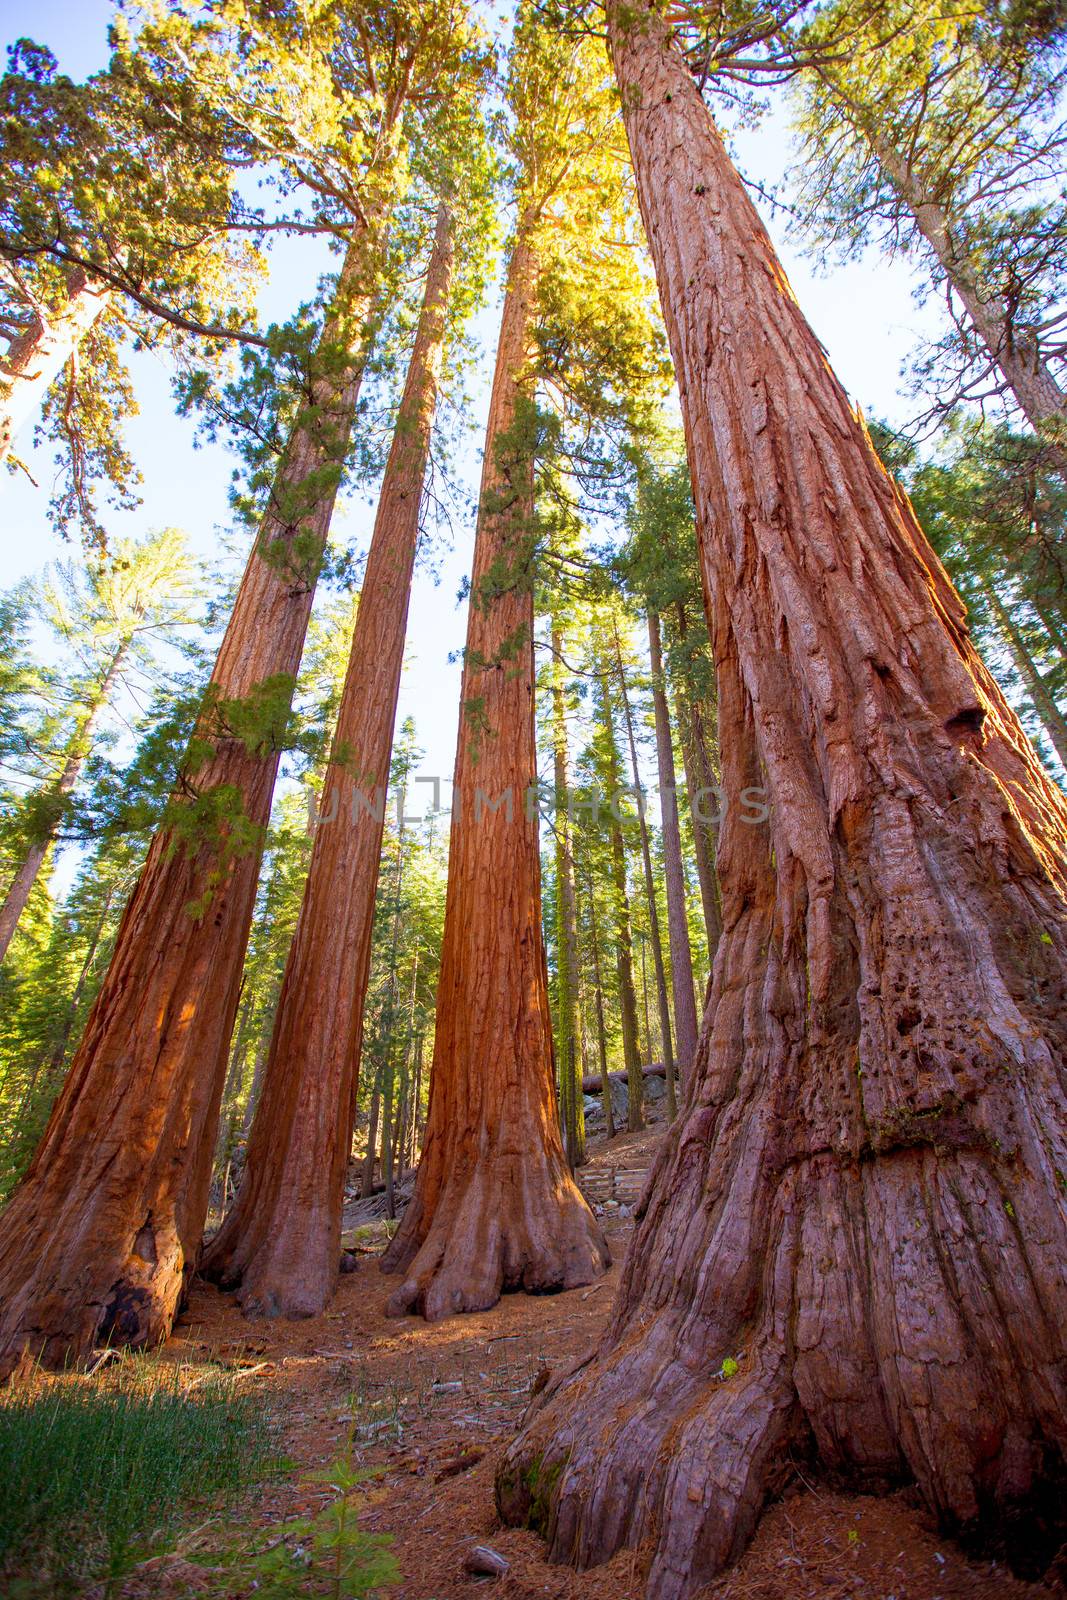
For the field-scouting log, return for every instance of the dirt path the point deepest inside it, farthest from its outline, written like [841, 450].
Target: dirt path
[429, 1400]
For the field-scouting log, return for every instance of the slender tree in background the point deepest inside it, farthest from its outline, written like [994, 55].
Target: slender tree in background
[937, 128]
[601, 1030]
[82, 1257]
[662, 569]
[685, 1014]
[662, 1002]
[138, 594]
[280, 1243]
[568, 980]
[610, 768]
[860, 1207]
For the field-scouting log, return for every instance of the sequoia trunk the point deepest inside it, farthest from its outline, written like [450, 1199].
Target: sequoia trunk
[685, 1011]
[852, 1247]
[98, 1240]
[280, 1243]
[494, 1205]
[36, 357]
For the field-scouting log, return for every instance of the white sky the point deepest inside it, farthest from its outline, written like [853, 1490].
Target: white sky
[864, 315]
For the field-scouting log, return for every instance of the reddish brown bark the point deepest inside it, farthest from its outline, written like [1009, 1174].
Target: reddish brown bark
[280, 1244]
[685, 1011]
[99, 1238]
[862, 1205]
[494, 1206]
[35, 357]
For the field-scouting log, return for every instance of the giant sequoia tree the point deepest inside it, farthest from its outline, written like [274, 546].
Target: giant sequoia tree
[281, 1241]
[99, 1238]
[862, 1205]
[494, 1204]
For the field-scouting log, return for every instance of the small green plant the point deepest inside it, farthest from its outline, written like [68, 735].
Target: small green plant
[729, 1368]
[98, 1478]
[327, 1554]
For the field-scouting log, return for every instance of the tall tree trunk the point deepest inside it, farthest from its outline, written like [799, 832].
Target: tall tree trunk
[1013, 349]
[663, 1004]
[59, 1052]
[601, 1030]
[416, 1108]
[1051, 717]
[494, 1204]
[373, 1117]
[99, 1238]
[280, 1244]
[700, 782]
[77, 753]
[624, 944]
[569, 1025]
[1052, 628]
[861, 1206]
[685, 1012]
[36, 357]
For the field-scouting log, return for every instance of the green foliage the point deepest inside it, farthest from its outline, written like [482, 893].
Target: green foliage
[327, 1553]
[97, 1478]
[937, 135]
[104, 181]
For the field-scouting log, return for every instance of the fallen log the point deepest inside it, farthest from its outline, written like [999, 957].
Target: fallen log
[591, 1083]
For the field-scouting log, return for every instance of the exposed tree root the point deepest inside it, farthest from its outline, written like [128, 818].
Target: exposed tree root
[942, 1364]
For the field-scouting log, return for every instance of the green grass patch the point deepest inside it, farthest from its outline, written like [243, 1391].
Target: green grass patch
[95, 1477]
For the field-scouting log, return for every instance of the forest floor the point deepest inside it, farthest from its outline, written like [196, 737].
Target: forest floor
[435, 1405]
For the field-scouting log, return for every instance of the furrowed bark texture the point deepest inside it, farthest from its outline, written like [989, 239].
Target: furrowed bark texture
[99, 1238]
[494, 1206]
[280, 1244]
[863, 1202]
[35, 358]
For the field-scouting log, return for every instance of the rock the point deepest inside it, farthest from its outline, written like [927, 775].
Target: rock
[626, 1211]
[349, 1261]
[485, 1562]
